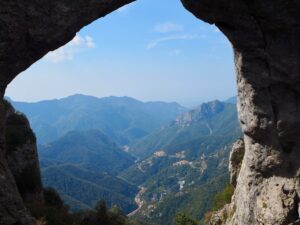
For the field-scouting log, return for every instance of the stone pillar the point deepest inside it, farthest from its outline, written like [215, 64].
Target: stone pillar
[266, 42]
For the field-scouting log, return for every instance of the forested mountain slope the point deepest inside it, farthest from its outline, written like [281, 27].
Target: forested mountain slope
[83, 167]
[184, 164]
[124, 119]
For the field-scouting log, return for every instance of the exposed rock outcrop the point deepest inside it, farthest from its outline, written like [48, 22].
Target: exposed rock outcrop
[22, 157]
[236, 157]
[222, 216]
[265, 36]
[235, 160]
[12, 210]
[205, 110]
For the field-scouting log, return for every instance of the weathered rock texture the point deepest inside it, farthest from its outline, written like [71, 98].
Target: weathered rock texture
[235, 160]
[29, 30]
[22, 157]
[12, 209]
[236, 157]
[23, 175]
[265, 36]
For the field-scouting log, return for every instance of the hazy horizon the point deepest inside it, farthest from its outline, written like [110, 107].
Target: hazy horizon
[99, 97]
[170, 57]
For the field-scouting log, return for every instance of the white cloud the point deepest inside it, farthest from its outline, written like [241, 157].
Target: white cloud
[68, 51]
[175, 52]
[154, 43]
[90, 42]
[168, 27]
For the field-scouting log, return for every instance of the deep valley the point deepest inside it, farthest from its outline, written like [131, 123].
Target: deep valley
[175, 162]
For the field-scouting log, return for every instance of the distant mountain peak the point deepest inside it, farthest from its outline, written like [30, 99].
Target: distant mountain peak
[205, 110]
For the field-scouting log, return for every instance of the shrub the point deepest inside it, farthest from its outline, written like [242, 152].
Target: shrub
[183, 219]
[220, 200]
[223, 198]
[104, 216]
[54, 212]
[52, 198]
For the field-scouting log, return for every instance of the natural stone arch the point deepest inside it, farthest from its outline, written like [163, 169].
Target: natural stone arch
[265, 37]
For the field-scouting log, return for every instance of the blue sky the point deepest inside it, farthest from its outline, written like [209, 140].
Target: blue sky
[149, 50]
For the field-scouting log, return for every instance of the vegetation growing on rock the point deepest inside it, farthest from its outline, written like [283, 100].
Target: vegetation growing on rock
[220, 200]
[223, 198]
[184, 219]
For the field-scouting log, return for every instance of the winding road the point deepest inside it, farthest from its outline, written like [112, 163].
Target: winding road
[139, 201]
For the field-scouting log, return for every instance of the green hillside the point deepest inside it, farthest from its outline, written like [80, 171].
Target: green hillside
[82, 189]
[200, 131]
[183, 165]
[83, 168]
[92, 150]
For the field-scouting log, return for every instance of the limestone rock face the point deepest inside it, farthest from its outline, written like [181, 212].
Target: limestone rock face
[21, 172]
[22, 157]
[265, 38]
[22, 178]
[235, 160]
[12, 210]
[222, 216]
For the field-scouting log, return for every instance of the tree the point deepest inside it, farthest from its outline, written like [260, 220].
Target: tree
[183, 219]
[101, 214]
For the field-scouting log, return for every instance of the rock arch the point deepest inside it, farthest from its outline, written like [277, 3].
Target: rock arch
[266, 40]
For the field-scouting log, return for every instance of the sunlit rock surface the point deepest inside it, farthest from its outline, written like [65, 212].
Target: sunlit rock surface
[265, 38]
[235, 160]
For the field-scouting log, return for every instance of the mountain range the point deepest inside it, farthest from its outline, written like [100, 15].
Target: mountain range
[192, 130]
[80, 139]
[123, 119]
[108, 148]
